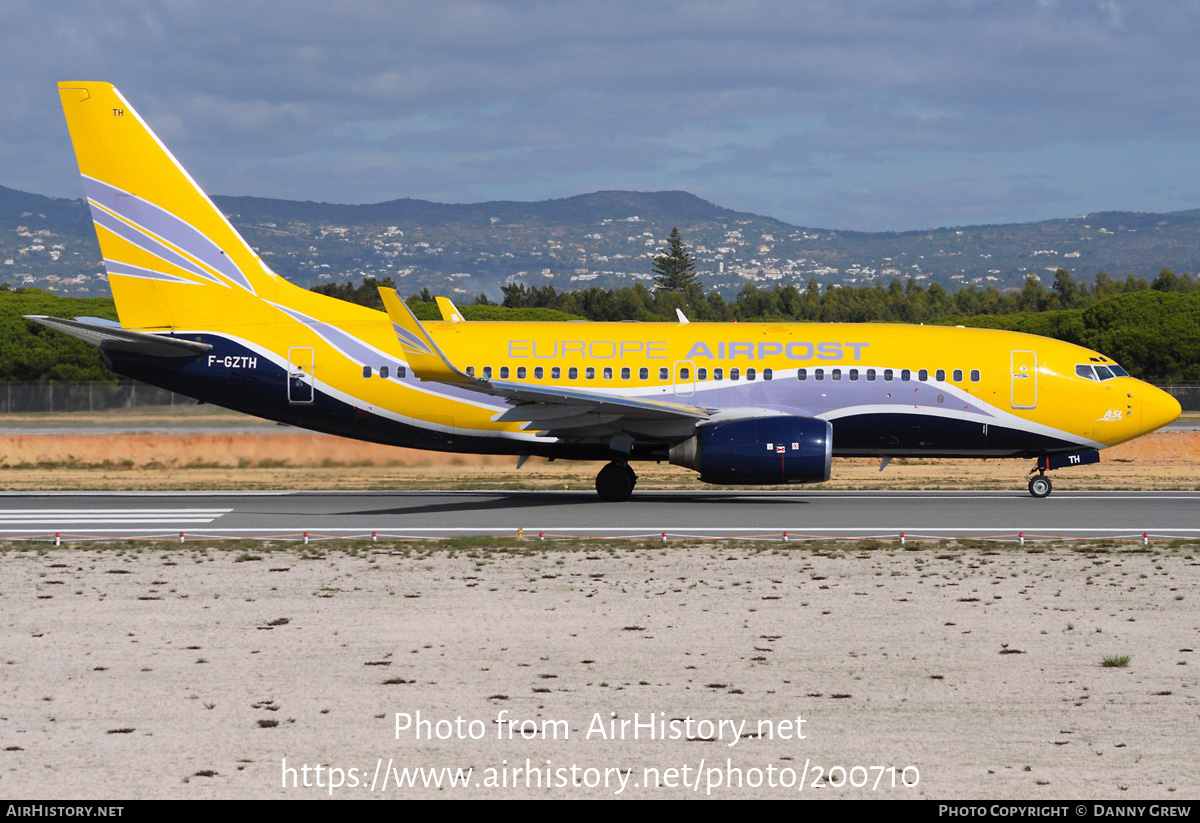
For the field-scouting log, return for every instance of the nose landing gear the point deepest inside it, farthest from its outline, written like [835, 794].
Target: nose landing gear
[1040, 486]
[615, 482]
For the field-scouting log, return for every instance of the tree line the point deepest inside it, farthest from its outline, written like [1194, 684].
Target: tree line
[1151, 328]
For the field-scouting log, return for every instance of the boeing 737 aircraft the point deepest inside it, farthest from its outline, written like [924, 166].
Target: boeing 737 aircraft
[201, 314]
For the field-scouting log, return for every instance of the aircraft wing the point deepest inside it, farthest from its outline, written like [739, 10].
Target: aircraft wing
[551, 411]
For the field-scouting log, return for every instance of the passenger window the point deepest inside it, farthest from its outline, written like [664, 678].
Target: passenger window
[608, 372]
[941, 375]
[818, 374]
[870, 375]
[487, 372]
[701, 374]
[383, 372]
[836, 374]
[664, 374]
[520, 372]
[854, 374]
[974, 375]
[718, 374]
[887, 375]
[538, 371]
[923, 375]
[589, 373]
[905, 375]
[573, 373]
[401, 372]
[366, 371]
[555, 372]
[768, 374]
[470, 371]
[643, 373]
[625, 373]
[958, 375]
[684, 374]
[504, 372]
[801, 374]
[735, 374]
[751, 374]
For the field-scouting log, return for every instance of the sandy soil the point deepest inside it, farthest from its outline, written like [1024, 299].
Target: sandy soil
[1166, 460]
[194, 672]
[184, 673]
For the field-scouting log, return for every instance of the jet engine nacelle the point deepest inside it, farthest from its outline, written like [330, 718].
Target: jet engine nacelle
[759, 451]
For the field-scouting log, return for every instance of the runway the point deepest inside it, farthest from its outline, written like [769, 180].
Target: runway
[764, 514]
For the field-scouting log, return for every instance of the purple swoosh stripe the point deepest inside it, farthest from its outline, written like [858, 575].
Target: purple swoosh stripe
[805, 396]
[167, 226]
[147, 243]
[357, 351]
[130, 270]
[411, 339]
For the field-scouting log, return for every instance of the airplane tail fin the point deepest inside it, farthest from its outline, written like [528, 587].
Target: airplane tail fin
[173, 260]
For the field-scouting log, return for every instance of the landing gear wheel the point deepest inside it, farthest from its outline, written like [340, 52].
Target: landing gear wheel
[1040, 486]
[615, 482]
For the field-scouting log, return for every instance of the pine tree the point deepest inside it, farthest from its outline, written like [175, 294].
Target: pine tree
[675, 270]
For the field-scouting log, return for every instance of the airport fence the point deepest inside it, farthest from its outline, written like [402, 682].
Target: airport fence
[27, 398]
[1188, 395]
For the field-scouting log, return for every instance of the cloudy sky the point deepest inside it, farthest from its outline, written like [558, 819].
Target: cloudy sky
[875, 115]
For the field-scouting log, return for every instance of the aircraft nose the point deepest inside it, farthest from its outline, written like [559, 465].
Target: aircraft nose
[1158, 408]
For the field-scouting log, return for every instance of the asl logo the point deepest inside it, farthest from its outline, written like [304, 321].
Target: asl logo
[1111, 415]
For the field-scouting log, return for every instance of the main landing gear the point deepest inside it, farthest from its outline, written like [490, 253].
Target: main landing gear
[615, 482]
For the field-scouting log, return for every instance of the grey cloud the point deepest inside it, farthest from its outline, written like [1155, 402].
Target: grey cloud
[544, 98]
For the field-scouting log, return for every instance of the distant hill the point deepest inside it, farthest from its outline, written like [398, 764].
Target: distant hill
[605, 239]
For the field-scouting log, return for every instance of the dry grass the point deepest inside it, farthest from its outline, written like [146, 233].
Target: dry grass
[289, 458]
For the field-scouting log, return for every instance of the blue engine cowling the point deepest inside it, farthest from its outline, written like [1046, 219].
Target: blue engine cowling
[759, 451]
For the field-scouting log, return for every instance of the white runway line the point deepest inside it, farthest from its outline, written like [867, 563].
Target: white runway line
[75, 517]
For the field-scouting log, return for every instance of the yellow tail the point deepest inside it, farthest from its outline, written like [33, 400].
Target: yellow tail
[173, 260]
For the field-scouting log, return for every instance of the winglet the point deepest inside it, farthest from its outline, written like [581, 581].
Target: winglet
[423, 354]
[450, 312]
[682, 317]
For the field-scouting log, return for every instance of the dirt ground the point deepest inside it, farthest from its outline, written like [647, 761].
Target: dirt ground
[223, 671]
[293, 459]
[967, 673]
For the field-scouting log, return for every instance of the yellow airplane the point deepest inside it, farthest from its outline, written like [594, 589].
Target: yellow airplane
[203, 315]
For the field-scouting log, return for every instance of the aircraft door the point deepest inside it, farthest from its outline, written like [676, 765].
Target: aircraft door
[300, 376]
[684, 378]
[1024, 379]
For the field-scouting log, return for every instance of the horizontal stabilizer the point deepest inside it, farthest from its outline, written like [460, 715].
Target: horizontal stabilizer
[98, 332]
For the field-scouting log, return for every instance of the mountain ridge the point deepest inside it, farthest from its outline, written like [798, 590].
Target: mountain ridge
[606, 238]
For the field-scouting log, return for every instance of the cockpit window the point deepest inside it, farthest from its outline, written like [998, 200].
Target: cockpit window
[1100, 373]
